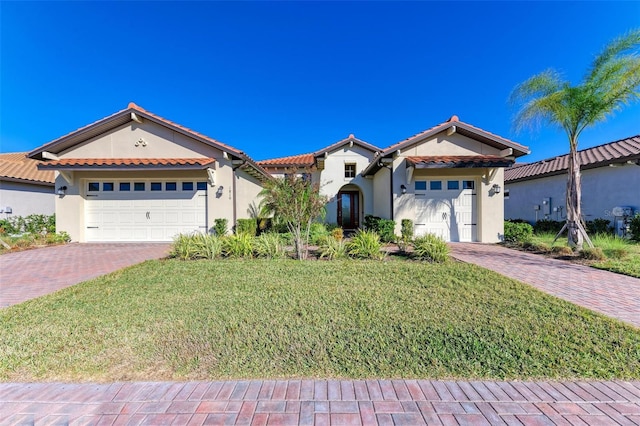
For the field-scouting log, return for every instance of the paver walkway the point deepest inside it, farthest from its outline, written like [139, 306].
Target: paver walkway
[323, 402]
[611, 294]
[28, 274]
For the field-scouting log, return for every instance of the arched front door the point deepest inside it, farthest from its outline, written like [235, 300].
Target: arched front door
[349, 209]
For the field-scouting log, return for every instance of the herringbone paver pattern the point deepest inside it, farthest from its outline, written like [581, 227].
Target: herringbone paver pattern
[33, 273]
[335, 402]
[614, 295]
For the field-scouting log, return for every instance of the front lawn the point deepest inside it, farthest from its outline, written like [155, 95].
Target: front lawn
[173, 319]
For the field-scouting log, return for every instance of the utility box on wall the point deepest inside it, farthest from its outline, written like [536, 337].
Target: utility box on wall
[546, 206]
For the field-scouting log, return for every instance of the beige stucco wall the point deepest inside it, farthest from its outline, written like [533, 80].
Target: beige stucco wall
[490, 206]
[25, 199]
[161, 143]
[332, 179]
[603, 189]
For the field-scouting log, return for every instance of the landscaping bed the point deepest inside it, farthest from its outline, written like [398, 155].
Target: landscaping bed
[238, 318]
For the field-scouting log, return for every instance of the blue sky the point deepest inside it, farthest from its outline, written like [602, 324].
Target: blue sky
[283, 78]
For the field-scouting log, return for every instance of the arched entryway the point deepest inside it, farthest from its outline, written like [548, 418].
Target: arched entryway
[349, 207]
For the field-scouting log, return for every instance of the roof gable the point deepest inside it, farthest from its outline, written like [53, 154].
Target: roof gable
[619, 151]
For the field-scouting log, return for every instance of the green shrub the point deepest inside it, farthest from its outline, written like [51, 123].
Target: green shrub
[547, 226]
[247, 226]
[238, 245]
[221, 227]
[269, 245]
[406, 229]
[58, 238]
[592, 253]
[430, 247]
[371, 222]
[32, 224]
[599, 226]
[517, 232]
[317, 231]
[196, 246]
[634, 227]
[365, 244]
[386, 230]
[332, 248]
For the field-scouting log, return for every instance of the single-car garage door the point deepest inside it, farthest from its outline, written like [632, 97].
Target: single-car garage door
[144, 210]
[446, 207]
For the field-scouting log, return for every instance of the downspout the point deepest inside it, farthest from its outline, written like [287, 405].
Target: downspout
[233, 190]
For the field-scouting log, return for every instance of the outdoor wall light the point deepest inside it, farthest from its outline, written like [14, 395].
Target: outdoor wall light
[496, 188]
[220, 191]
[62, 190]
[403, 189]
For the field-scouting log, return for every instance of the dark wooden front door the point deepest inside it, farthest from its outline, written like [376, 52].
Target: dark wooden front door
[349, 209]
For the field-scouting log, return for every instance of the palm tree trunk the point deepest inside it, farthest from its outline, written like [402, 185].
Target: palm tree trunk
[574, 197]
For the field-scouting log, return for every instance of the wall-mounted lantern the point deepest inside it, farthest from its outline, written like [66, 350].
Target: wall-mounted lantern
[62, 191]
[403, 189]
[496, 188]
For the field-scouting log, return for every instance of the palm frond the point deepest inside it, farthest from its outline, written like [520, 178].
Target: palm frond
[627, 42]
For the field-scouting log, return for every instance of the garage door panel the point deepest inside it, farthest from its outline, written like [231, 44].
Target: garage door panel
[144, 215]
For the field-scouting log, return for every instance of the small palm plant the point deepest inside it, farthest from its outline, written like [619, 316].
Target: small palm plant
[365, 245]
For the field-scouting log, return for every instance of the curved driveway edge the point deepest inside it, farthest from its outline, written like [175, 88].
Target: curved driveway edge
[29, 274]
[611, 294]
[323, 402]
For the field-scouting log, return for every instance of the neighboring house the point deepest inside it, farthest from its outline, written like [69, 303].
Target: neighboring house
[447, 180]
[24, 190]
[134, 176]
[610, 178]
[338, 171]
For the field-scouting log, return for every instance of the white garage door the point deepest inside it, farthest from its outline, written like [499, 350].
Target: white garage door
[144, 210]
[446, 207]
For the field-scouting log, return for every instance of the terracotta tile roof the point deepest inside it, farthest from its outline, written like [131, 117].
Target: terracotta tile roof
[614, 152]
[102, 163]
[459, 161]
[302, 160]
[17, 167]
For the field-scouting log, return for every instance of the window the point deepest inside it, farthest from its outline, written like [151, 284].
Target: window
[435, 185]
[170, 186]
[349, 171]
[94, 186]
[125, 186]
[306, 177]
[107, 186]
[139, 186]
[201, 186]
[453, 184]
[421, 185]
[187, 186]
[156, 186]
[468, 184]
[506, 194]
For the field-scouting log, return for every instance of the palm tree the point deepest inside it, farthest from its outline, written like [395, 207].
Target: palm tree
[611, 83]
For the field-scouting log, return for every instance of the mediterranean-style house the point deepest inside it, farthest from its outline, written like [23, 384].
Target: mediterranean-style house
[24, 190]
[610, 179]
[135, 176]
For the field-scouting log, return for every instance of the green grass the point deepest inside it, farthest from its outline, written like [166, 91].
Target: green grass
[623, 256]
[181, 320]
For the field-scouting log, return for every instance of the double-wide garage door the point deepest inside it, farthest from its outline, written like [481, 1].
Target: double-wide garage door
[446, 207]
[144, 210]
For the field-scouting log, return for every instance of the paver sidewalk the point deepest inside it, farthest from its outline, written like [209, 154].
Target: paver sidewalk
[611, 294]
[28, 274]
[323, 402]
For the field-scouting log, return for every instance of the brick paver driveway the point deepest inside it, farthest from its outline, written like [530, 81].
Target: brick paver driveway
[614, 295]
[322, 402]
[32, 273]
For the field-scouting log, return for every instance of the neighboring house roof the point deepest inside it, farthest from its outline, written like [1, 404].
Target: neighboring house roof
[309, 160]
[302, 160]
[134, 113]
[457, 126]
[129, 163]
[17, 167]
[620, 151]
[458, 161]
